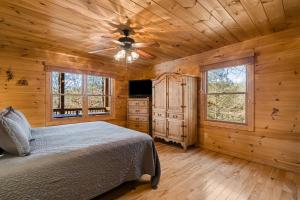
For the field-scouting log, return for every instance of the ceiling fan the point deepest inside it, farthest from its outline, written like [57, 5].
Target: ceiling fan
[129, 49]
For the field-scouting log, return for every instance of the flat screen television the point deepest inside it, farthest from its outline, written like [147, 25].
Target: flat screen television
[140, 88]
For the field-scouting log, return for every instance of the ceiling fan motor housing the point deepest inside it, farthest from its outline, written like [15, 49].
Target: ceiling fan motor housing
[127, 41]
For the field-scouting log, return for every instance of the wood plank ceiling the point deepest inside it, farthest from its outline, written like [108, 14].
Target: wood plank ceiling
[182, 27]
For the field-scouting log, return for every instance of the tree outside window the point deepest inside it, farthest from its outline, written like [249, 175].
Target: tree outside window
[71, 90]
[227, 95]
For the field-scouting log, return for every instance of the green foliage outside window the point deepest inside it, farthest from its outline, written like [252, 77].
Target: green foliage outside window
[226, 94]
[67, 94]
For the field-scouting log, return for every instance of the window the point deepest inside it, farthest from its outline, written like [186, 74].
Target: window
[227, 94]
[77, 95]
[67, 94]
[98, 92]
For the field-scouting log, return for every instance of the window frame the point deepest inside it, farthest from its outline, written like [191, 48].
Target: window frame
[249, 95]
[50, 120]
[106, 96]
[81, 94]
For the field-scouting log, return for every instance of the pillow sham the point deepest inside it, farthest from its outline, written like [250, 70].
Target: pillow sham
[19, 118]
[13, 139]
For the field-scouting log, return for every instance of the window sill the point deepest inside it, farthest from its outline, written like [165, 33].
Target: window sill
[99, 114]
[237, 126]
[79, 119]
[63, 116]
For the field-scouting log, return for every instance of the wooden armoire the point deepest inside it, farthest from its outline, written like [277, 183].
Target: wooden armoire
[174, 108]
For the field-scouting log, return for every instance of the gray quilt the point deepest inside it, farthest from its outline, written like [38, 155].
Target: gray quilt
[78, 161]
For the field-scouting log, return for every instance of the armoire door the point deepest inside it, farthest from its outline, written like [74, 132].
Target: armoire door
[159, 90]
[159, 127]
[175, 94]
[175, 129]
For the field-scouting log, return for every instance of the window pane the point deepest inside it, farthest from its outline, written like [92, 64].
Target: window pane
[73, 83]
[72, 106]
[73, 101]
[66, 105]
[227, 107]
[96, 101]
[55, 82]
[99, 104]
[229, 79]
[96, 85]
[56, 101]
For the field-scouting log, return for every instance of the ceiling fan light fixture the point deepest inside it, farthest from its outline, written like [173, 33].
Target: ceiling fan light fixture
[129, 59]
[120, 55]
[134, 55]
[128, 55]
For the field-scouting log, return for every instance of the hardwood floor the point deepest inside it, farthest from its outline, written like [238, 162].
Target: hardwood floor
[202, 174]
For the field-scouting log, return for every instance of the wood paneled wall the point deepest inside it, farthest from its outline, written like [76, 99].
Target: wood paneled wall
[27, 64]
[276, 138]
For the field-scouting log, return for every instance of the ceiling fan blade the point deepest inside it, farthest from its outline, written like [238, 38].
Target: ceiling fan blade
[144, 45]
[145, 54]
[114, 31]
[100, 50]
[117, 42]
[112, 24]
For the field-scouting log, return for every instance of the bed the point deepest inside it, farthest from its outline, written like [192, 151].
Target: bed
[78, 161]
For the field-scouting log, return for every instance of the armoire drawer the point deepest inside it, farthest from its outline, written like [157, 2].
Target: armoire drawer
[175, 116]
[133, 110]
[139, 118]
[139, 103]
[158, 113]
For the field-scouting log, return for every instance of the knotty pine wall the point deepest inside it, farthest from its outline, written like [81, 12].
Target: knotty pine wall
[276, 138]
[27, 64]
